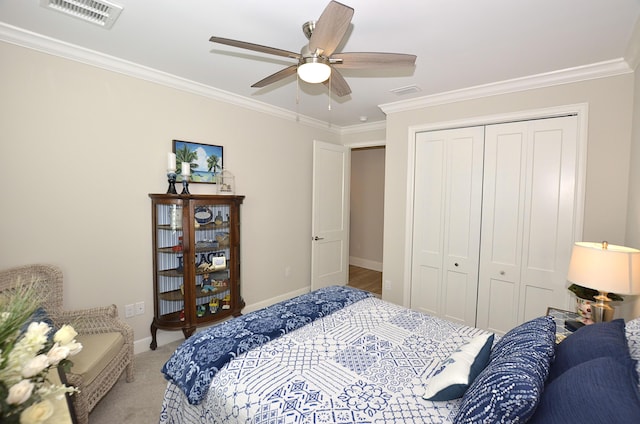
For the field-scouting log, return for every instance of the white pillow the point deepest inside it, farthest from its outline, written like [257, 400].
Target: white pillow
[460, 369]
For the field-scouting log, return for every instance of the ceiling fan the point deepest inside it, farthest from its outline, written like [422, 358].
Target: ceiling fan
[317, 61]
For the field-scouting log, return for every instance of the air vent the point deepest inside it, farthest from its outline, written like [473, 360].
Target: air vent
[401, 91]
[101, 12]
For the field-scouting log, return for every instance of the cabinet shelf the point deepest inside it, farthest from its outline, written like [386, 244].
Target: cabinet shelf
[176, 295]
[208, 226]
[175, 273]
[198, 249]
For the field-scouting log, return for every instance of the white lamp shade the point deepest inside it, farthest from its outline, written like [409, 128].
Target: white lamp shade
[314, 71]
[615, 269]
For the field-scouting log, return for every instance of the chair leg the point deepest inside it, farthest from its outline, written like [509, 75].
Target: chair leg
[129, 371]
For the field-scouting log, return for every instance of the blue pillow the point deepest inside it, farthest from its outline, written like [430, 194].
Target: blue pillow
[510, 387]
[602, 390]
[537, 336]
[39, 315]
[460, 369]
[590, 342]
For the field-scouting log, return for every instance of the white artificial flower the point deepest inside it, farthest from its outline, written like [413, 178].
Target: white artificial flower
[65, 335]
[57, 353]
[74, 348]
[35, 366]
[37, 413]
[20, 392]
[36, 335]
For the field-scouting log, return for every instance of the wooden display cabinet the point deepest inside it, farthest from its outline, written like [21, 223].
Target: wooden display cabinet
[196, 261]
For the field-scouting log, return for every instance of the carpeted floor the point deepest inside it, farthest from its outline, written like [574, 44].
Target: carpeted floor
[138, 402]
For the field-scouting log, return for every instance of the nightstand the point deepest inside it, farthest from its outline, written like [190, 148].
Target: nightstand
[560, 316]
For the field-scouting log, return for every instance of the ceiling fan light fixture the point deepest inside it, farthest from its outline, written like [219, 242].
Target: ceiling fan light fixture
[314, 70]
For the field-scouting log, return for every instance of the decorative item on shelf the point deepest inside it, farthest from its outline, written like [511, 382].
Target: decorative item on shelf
[222, 239]
[186, 173]
[175, 217]
[218, 219]
[225, 182]
[214, 305]
[203, 215]
[171, 173]
[605, 268]
[200, 311]
[226, 302]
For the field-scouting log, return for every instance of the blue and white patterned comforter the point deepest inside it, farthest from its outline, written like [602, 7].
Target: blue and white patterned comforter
[364, 363]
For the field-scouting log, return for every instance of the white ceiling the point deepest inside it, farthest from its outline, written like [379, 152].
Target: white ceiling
[459, 43]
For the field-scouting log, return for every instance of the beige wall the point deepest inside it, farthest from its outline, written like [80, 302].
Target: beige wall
[81, 148]
[610, 105]
[633, 216]
[367, 207]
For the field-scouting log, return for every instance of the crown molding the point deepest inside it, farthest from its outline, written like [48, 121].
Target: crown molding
[632, 55]
[565, 76]
[28, 39]
[360, 128]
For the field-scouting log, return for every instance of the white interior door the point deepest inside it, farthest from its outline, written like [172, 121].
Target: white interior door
[330, 215]
[528, 216]
[446, 225]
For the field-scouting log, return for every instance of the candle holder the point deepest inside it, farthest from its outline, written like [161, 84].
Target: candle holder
[171, 177]
[185, 184]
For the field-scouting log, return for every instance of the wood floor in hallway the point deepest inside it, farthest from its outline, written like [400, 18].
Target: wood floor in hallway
[365, 279]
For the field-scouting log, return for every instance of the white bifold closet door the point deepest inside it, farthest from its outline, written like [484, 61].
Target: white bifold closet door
[493, 223]
[529, 204]
[446, 224]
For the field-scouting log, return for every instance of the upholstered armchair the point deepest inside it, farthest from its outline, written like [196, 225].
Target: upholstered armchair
[107, 341]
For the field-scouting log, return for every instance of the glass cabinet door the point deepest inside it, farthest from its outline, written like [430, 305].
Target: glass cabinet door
[169, 262]
[212, 254]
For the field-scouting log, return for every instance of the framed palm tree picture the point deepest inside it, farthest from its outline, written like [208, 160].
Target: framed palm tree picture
[205, 160]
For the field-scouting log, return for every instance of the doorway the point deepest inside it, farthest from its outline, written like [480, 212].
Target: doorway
[366, 218]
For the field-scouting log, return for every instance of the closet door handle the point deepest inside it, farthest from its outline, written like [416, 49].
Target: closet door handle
[316, 238]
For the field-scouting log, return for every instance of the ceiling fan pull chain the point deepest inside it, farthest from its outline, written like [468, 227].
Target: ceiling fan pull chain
[329, 88]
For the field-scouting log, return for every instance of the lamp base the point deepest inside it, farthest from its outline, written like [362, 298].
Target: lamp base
[601, 311]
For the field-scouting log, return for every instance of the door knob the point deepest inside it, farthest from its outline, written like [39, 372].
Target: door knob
[316, 238]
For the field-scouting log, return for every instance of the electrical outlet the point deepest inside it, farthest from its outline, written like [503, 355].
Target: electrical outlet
[388, 285]
[129, 311]
[139, 308]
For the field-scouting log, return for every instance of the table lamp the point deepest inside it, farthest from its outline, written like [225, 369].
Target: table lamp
[607, 268]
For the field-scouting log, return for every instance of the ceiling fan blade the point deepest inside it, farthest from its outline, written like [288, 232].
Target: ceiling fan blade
[290, 70]
[338, 84]
[330, 28]
[254, 47]
[372, 60]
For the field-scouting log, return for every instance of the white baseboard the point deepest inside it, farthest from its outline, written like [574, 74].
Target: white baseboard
[365, 263]
[166, 337]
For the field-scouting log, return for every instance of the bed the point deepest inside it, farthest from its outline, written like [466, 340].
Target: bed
[341, 355]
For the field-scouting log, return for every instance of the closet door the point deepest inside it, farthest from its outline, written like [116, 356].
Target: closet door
[447, 201]
[528, 216]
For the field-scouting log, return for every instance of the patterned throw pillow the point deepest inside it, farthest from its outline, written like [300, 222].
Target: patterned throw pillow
[632, 331]
[509, 388]
[460, 369]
